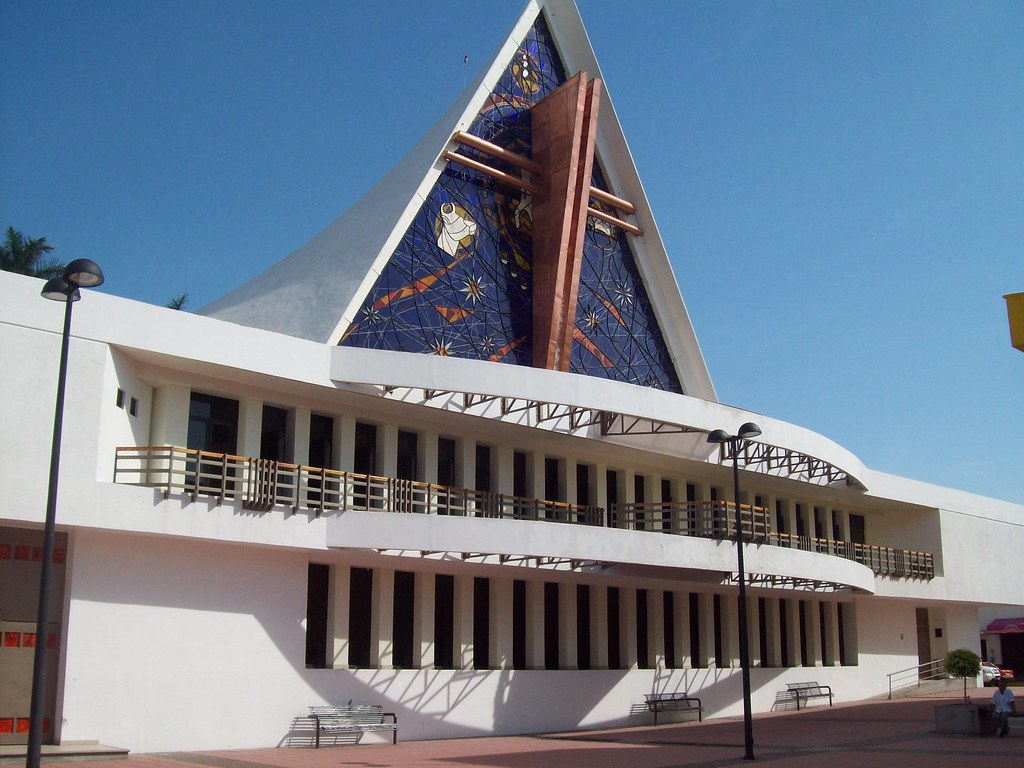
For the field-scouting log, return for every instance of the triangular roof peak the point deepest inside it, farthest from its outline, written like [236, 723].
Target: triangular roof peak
[440, 256]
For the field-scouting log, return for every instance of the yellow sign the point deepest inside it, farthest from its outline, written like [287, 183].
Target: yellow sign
[1015, 311]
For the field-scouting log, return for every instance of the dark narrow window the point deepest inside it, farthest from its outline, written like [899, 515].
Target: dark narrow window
[133, 406]
[826, 650]
[444, 621]
[643, 645]
[666, 499]
[407, 461]
[583, 485]
[404, 616]
[551, 633]
[719, 645]
[364, 462]
[691, 509]
[213, 423]
[639, 494]
[762, 630]
[819, 523]
[318, 581]
[841, 608]
[780, 517]
[784, 633]
[360, 617]
[696, 660]
[804, 658]
[857, 529]
[614, 658]
[119, 398]
[519, 474]
[668, 608]
[611, 479]
[551, 484]
[321, 453]
[481, 623]
[274, 434]
[801, 524]
[837, 528]
[483, 467]
[583, 626]
[445, 461]
[518, 624]
[715, 494]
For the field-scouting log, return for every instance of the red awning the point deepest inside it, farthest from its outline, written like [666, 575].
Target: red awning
[1005, 626]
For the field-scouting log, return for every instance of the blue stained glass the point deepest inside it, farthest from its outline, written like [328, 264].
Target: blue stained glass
[460, 281]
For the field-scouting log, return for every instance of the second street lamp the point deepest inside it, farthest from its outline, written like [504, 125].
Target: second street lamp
[721, 437]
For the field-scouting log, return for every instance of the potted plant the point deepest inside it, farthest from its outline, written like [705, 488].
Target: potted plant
[963, 717]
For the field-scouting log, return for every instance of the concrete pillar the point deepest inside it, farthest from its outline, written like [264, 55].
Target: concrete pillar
[792, 621]
[534, 624]
[298, 428]
[774, 657]
[423, 632]
[730, 631]
[627, 628]
[812, 633]
[344, 441]
[250, 427]
[502, 456]
[598, 627]
[168, 423]
[463, 600]
[339, 615]
[681, 622]
[706, 630]
[831, 638]
[599, 490]
[426, 456]
[569, 627]
[753, 630]
[656, 628]
[387, 450]
[501, 623]
[567, 480]
[382, 633]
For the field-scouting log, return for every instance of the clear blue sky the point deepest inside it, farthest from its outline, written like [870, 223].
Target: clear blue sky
[840, 185]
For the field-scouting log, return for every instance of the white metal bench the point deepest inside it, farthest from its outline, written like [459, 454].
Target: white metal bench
[809, 690]
[353, 718]
[673, 702]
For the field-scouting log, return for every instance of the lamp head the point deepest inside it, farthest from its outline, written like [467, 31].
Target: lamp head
[749, 430]
[83, 273]
[719, 436]
[58, 290]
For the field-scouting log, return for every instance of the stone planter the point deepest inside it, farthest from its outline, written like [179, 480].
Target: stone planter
[963, 718]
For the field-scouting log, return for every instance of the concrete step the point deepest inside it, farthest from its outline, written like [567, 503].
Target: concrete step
[69, 750]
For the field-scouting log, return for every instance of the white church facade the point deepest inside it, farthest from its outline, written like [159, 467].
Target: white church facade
[468, 477]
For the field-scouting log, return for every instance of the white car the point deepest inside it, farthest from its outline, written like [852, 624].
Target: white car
[989, 673]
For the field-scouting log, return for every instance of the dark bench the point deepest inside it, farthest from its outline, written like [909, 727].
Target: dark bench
[673, 702]
[353, 718]
[809, 690]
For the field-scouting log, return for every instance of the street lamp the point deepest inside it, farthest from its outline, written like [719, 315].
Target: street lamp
[720, 436]
[80, 273]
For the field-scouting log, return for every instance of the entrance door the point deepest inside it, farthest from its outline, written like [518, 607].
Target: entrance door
[924, 646]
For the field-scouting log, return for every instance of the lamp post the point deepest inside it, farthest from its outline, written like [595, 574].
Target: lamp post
[80, 273]
[720, 436]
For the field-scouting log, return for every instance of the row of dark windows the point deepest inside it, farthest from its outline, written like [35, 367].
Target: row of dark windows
[360, 623]
[213, 426]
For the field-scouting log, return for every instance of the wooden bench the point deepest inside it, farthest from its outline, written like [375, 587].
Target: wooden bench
[809, 690]
[353, 718]
[673, 702]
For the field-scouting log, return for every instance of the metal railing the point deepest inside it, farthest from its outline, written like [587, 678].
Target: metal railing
[262, 483]
[914, 676]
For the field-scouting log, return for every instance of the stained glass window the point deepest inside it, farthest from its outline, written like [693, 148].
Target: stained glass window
[459, 283]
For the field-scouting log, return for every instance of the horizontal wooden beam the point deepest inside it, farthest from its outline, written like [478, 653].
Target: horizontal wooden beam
[615, 202]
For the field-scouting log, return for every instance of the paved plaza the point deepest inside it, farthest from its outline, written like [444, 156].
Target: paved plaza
[876, 734]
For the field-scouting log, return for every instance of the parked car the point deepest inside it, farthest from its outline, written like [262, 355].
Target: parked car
[1005, 674]
[989, 673]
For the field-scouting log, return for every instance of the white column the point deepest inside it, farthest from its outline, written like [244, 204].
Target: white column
[831, 643]
[681, 622]
[812, 633]
[730, 631]
[599, 495]
[168, 423]
[503, 457]
[568, 627]
[656, 627]
[753, 630]
[343, 443]
[627, 628]
[706, 630]
[339, 615]
[774, 658]
[423, 633]
[463, 622]
[382, 634]
[298, 428]
[502, 591]
[250, 427]
[792, 630]
[534, 624]
[426, 456]
[598, 627]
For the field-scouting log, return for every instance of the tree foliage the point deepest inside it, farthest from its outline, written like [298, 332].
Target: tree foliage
[28, 256]
[964, 664]
[178, 302]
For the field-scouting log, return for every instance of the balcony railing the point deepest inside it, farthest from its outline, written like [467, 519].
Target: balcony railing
[262, 483]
